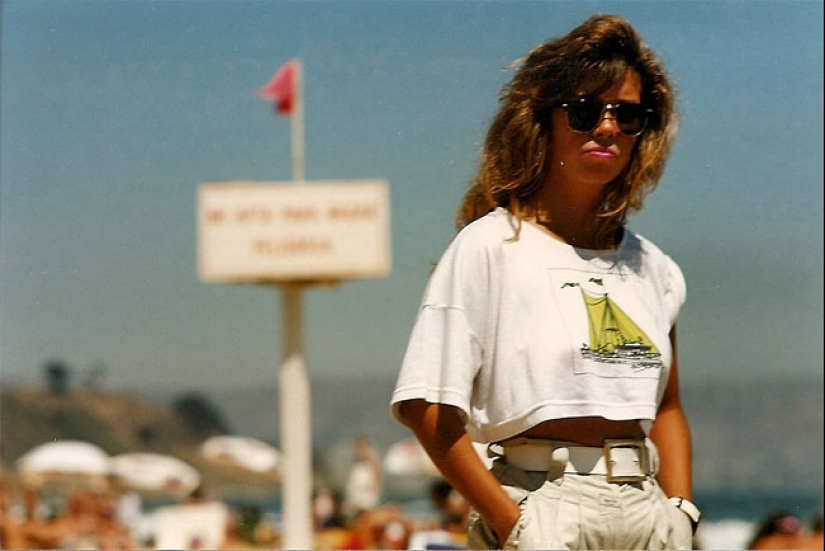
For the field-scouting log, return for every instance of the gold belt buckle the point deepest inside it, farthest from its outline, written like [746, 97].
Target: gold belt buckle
[611, 444]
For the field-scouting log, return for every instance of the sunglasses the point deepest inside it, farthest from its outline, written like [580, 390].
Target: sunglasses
[585, 114]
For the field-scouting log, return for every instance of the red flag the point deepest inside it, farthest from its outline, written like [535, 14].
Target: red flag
[281, 89]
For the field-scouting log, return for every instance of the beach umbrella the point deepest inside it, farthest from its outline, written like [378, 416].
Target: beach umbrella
[155, 473]
[242, 451]
[63, 459]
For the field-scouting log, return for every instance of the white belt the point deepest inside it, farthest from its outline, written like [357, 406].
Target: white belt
[618, 460]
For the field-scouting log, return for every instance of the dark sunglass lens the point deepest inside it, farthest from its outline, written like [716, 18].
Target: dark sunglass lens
[631, 118]
[584, 115]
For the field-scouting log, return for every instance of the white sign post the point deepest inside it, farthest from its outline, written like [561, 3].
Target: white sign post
[294, 235]
[296, 427]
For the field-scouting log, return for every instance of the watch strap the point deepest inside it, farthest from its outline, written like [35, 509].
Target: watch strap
[689, 509]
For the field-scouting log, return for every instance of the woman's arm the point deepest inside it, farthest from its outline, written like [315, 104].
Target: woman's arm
[671, 435]
[441, 432]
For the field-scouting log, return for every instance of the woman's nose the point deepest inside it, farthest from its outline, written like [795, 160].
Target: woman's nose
[607, 125]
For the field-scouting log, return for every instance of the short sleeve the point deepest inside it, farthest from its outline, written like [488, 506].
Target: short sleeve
[675, 289]
[444, 353]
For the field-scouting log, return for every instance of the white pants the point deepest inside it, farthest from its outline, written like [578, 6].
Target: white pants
[574, 511]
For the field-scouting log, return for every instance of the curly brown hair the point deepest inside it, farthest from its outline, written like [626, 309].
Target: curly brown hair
[588, 60]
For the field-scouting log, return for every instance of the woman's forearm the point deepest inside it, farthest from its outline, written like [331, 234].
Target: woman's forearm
[441, 432]
[672, 438]
[671, 434]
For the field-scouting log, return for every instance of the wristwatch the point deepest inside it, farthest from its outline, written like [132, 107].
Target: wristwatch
[689, 509]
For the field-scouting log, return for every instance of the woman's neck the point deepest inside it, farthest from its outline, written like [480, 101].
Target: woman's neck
[580, 236]
[571, 218]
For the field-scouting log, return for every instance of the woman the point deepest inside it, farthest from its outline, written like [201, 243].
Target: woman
[549, 330]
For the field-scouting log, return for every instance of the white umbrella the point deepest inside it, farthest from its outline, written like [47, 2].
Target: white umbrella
[408, 458]
[242, 451]
[64, 458]
[152, 472]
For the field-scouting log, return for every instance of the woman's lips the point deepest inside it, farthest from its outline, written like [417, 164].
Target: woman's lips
[600, 153]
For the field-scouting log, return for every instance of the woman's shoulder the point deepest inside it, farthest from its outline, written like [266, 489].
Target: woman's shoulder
[480, 240]
[634, 242]
[657, 262]
[497, 226]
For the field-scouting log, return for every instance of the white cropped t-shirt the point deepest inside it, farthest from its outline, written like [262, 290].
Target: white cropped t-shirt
[514, 331]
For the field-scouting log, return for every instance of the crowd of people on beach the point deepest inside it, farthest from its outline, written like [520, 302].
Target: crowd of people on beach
[83, 519]
[353, 517]
[87, 518]
[104, 515]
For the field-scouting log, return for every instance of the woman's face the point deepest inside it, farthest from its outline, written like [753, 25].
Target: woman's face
[594, 158]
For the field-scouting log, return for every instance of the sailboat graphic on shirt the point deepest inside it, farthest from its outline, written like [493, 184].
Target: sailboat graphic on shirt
[614, 337]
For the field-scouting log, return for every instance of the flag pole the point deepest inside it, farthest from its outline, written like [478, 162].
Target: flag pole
[296, 410]
[297, 127]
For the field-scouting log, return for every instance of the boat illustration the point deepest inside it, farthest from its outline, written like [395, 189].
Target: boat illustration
[614, 337]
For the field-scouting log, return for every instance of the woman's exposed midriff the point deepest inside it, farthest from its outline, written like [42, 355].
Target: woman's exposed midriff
[587, 431]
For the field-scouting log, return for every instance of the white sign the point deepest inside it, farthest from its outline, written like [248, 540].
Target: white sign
[252, 232]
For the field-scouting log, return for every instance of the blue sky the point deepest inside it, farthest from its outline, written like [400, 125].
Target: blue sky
[113, 113]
